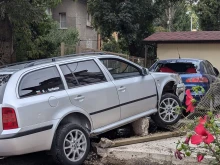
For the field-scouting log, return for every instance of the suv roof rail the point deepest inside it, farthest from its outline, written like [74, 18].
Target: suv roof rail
[51, 59]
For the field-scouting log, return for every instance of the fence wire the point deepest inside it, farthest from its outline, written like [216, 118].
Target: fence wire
[209, 102]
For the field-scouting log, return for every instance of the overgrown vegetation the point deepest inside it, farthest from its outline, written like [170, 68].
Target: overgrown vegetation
[35, 34]
[208, 12]
[132, 20]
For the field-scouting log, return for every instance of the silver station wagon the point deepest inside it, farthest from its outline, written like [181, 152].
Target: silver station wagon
[58, 104]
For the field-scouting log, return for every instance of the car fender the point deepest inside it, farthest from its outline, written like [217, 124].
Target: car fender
[161, 80]
[73, 109]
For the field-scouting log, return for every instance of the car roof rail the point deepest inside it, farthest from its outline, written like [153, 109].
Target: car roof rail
[80, 54]
[51, 59]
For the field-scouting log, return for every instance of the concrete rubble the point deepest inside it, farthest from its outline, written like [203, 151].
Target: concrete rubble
[160, 152]
[100, 148]
[141, 126]
[153, 152]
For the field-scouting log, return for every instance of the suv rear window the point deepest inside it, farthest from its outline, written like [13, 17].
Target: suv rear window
[40, 82]
[3, 82]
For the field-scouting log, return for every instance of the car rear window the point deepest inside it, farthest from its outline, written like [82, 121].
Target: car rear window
[178, 67]
[3, 82]
[40, 81]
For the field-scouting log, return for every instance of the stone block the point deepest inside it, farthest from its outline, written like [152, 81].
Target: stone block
[141, 126]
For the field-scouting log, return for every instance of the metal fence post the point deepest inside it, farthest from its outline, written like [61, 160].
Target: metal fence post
[145, 55]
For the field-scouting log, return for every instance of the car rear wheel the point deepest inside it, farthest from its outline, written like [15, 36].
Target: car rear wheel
[169, 111]
[71, 144]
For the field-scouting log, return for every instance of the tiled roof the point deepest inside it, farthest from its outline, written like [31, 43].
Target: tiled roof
[172, 37]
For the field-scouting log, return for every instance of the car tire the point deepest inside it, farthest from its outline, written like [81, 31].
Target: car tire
[71, 144]
[168, 112]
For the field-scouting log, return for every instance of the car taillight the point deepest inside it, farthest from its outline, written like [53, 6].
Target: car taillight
[9, 119]
[197, 80]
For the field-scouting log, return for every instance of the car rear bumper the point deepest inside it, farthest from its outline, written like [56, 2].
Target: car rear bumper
[19, 144]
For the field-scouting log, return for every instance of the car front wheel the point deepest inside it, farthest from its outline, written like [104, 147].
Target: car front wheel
[71, 144]
[169, 111]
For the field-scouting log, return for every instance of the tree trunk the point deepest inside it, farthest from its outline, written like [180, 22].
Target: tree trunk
[6, 42]
[133, 50]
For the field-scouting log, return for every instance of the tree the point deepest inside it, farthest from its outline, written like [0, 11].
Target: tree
[26, 20]
[172, 15]
[48, 45]
[131, 19]
[208, 12]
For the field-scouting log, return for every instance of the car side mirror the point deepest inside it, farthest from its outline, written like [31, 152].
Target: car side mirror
[144, 71]
[216, 71]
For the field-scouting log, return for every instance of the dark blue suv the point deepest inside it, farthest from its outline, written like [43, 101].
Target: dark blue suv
[194, 72]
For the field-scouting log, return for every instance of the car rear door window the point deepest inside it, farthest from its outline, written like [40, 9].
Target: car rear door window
[210, 68]
[40, 82]
[120, 69]
[207, 67]
[69, 76]
[82, 73]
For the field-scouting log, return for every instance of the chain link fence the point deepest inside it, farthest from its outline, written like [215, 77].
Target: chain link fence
[209, 102]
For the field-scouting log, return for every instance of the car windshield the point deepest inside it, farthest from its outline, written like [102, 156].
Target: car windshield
[177, 67]
[3, 82]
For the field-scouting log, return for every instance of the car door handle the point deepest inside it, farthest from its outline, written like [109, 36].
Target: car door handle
[79, 98]
[122, 89]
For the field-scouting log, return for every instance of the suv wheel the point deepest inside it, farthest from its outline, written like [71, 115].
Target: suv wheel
[168, 112]
[71, 144]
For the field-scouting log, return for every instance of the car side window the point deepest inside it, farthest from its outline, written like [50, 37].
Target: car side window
[69, 76]
[82, 73]
[212, 71]
[120, 69]
[40, 82]
[203, 66]
[209, 68]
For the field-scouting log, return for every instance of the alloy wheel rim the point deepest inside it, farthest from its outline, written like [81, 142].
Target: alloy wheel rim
[75, 145]
[168, 110]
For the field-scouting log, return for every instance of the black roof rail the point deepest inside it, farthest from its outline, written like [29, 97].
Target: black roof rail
[51, 59]
[80, 54]
[17, 63]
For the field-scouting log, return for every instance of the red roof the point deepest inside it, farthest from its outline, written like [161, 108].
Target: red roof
[173, 37]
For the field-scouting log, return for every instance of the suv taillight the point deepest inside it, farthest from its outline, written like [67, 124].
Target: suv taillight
[9, 119]
[197, 80]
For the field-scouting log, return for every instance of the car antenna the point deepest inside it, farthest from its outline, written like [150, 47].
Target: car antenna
[178, 53]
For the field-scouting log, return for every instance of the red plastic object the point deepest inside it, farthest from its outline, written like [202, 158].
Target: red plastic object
[166, 69]
[191, 70]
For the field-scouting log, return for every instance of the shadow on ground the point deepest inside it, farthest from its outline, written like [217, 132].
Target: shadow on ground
[40, 158]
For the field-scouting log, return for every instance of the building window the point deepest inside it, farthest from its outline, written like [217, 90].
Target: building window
[63, 24]
[89, 20]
